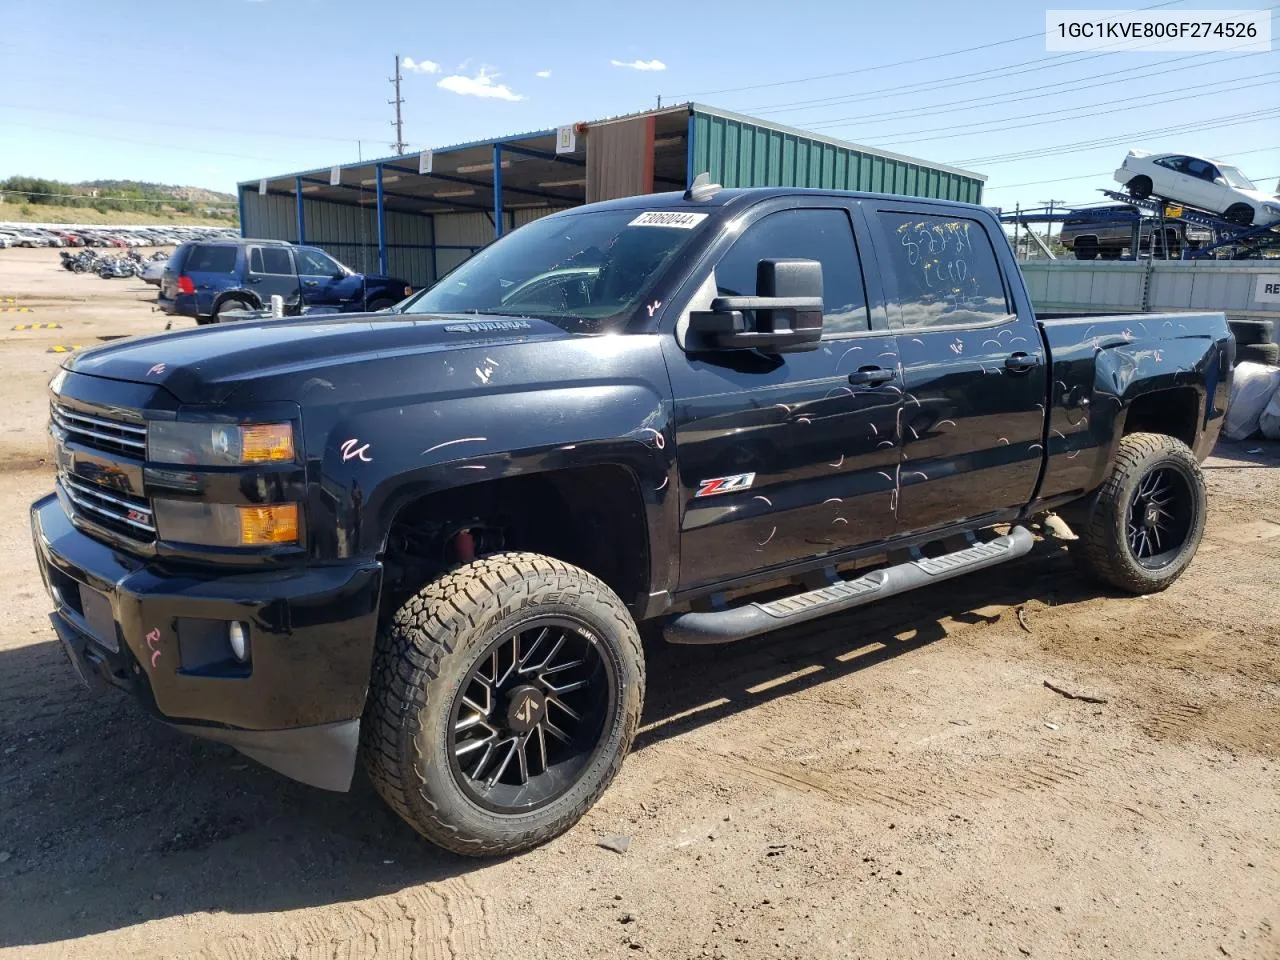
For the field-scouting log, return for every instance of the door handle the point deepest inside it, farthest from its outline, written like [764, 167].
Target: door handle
[871, 376]
[255, 279]
[312, 283]
[1022, 362]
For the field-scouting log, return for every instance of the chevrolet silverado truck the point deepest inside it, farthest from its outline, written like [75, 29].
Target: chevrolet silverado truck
[422, 540]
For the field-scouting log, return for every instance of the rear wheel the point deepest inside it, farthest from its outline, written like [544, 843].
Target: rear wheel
[503, 700]
[381, 304]
[1086, 248]
[1140, 187]
[1141, 528]
[228, 305]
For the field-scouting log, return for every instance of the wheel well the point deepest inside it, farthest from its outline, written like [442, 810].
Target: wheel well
[245, 296]
[1174, 413]
[592, 517]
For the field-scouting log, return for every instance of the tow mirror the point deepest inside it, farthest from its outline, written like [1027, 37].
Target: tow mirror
[785, 316]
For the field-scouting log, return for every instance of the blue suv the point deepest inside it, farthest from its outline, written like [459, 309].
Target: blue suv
[205, 279]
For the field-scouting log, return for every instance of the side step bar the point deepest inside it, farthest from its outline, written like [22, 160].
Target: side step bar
[738, 623]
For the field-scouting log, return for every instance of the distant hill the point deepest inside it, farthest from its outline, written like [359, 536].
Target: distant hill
[154, 201]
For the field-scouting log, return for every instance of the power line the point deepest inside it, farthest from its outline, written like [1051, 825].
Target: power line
[275, 134]
[887, 66]
[1090, 112]
[1230, 120]
[145, 143]
[999, 99]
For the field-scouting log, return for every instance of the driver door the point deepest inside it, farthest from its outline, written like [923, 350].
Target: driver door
[786, 457]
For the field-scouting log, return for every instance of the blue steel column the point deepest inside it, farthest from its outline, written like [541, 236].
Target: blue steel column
[688, 173]
[297, 202]
[382, 226]
[497, 190]
[244, 232]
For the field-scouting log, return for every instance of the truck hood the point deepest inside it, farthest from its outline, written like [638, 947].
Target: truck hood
[205, 364]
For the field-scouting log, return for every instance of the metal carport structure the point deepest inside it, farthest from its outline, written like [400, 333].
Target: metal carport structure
[417, 216]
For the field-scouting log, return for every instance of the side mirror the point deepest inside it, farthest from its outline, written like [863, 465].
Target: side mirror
[785, 315]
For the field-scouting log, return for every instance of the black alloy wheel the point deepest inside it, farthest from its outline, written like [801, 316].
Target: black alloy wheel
[1160, 517]
[530, 714]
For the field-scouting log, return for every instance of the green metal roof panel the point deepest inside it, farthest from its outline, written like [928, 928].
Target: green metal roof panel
[740, 152]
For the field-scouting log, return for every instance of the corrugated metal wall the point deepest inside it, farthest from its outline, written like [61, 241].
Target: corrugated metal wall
[415, 251]
[741, 154]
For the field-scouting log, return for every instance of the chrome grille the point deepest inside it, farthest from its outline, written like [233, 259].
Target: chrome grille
[130, 515]
[115, 436]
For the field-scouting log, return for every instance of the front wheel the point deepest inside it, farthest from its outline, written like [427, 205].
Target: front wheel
[1141, 528]
[504, 697]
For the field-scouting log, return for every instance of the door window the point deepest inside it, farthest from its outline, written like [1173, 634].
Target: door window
[1173, 163]
[822, 235]
[1200, 169]
[313, 263]
[945, 270]
[273, 261]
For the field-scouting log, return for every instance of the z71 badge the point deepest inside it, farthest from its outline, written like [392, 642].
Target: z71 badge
[741, 481]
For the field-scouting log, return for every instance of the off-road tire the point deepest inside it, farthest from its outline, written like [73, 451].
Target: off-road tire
[1248, 332]
[1102, 550]
[422, 657]
[1268, 353]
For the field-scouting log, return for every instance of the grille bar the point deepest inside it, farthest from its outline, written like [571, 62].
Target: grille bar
[101, 433]
[92, 499]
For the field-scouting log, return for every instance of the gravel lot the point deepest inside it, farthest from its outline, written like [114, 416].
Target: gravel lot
[895, 783]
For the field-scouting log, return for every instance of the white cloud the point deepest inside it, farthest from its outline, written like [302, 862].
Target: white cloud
[543, 74]
[481, 85]
[640, 64]
[420, 66]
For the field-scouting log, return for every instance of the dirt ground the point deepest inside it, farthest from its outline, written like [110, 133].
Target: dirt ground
[894, 783]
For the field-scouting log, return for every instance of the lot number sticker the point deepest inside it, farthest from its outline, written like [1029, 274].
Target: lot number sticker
[658, 218]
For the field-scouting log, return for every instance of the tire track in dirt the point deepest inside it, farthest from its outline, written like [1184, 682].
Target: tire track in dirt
[444, 921]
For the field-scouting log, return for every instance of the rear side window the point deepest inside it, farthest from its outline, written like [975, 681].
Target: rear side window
[822, 235]
[944, 268]
[270, 260]
[205, 259]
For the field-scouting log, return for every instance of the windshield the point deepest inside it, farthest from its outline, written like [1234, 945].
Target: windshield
[1235, 178]
[585, 273]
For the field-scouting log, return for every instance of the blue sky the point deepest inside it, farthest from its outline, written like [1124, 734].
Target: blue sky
[219, 91]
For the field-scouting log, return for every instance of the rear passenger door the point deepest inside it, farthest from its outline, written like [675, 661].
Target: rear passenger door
[973, 369]
[271, 273]
[786, 457]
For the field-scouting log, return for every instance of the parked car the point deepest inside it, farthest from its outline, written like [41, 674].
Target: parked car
[1197, 182]
[207, 279]
[23, 238]
[153, 272]
[425, 537]
[1107, 232]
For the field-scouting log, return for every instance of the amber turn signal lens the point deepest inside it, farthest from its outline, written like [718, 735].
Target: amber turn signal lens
[266, 442]
[267, 525]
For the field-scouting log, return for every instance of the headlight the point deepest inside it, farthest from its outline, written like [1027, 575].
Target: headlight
[226, 524]
[219, 444]
[1271, 209]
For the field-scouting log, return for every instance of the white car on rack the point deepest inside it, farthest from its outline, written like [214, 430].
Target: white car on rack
[1197, 182]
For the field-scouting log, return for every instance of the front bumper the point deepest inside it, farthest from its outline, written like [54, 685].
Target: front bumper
[132, 622]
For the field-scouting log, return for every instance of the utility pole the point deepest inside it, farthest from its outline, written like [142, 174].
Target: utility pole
[659, 101]
[398, 123]
[1017, 225]
[1050, 204]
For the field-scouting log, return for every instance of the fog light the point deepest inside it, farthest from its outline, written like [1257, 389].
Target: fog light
[238, 637]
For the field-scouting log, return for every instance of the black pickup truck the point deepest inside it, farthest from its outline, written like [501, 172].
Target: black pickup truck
[425, 537]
